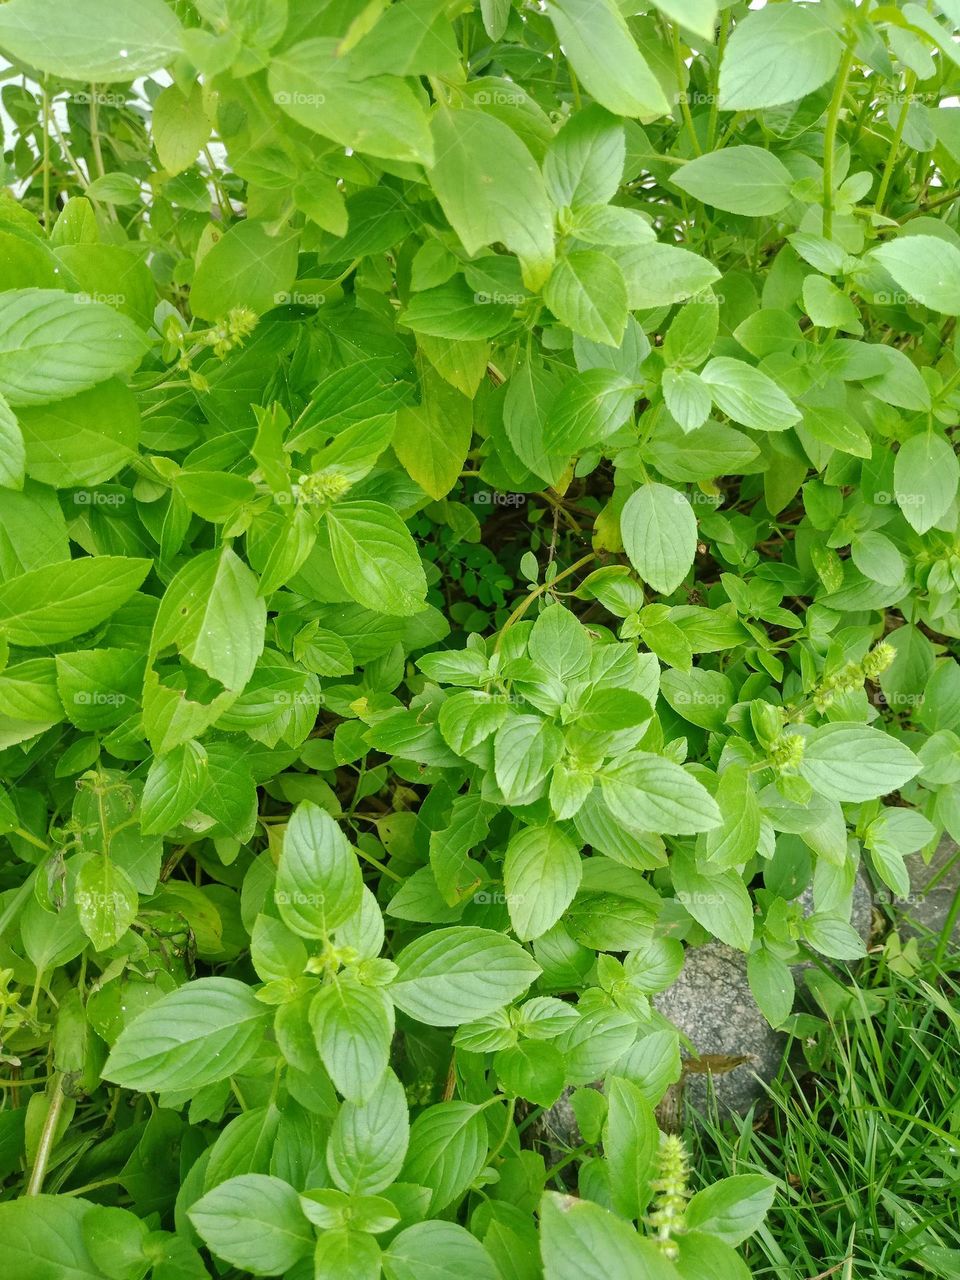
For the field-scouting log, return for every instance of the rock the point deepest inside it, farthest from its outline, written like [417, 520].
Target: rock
[712, 1005]
[926, 908]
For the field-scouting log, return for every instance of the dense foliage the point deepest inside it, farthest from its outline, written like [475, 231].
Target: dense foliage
[478, 519]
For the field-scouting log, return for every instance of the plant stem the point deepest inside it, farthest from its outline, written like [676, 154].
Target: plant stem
[684, 104]
[909, 86]
[830, 138]
[47, 1139]
[525, 604]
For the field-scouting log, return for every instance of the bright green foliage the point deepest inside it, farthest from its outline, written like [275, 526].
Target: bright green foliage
[478, 519]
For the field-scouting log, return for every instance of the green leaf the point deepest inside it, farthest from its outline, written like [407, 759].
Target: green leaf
[368, 1141]
[851, 762]
[926, 268]
[318, 883]
[579, 1240]
[53, 344]
[90, 39]
[448, 1148]
[658, 275]
[491, 190]
[596, 39]
[720, 902]
[383, 118]
[533, 1070]
[777, 54]
[587, 293]
[83, 440]
[650, 793]
[659, 532]
[353, 1026]
[588, 408]
[584, 163]
[732, 1208]
[631, 1141]
[13, 455]
[173, 786]
[772, 984]
[541, 875]
[748, 396]
[106, 901]
[196, 1035]
[180, 127]
[525, 749]
[43, 1238]
[247, 267]
[698, 16]
[745, 180]
[47, 606]
[254, 1222]
[451, 976]
[213, 615]
[436, 1251]
[925, 478]
[376, 557]
[432, 439]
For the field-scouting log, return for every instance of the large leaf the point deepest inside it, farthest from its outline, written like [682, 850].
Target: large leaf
[380, 116]
[745, 180]
[450, 976]
[53, 344]
[927, 268]
[90, 39]
[596, 39]
[659, 532]
[47, 606]
[777, 54]
[196, 1035]
[491, 189]
[853, 762]
[212, 613]
[376, 557]
[255, 1222]
[650, 793]
[318, 882]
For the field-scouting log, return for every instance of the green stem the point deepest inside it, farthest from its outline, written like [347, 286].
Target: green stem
[681, 89]
[528, 600]
[830, 139]
[909, 86]
[47, 1139]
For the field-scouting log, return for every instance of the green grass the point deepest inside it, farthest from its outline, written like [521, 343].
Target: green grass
[866, 1144]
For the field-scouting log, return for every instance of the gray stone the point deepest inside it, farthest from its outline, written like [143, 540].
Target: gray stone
[933, 888]
[712, 1005]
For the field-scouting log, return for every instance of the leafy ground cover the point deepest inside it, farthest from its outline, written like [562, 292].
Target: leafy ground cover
[478, 519]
